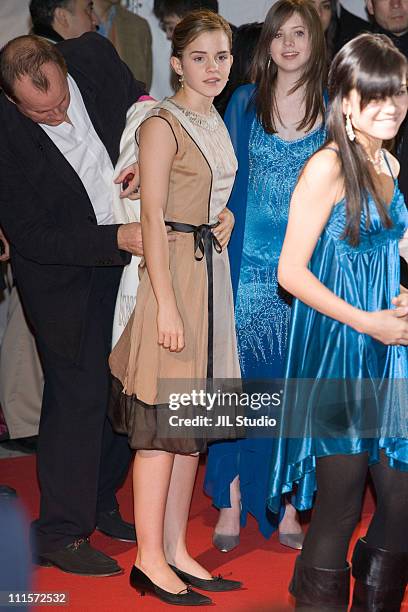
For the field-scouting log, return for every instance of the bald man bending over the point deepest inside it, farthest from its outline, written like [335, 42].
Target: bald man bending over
[62, 113]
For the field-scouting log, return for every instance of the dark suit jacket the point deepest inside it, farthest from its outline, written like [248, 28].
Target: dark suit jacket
[351, 26]
[45, 211]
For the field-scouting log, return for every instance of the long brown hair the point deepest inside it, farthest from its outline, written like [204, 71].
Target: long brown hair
[265, 71]
[374, 67]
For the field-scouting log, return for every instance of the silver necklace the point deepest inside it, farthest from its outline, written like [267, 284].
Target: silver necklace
[377, 163]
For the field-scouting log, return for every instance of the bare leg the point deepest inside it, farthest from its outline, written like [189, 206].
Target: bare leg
[151, 479]
[229, 518]
[176, 517]
[290, 522]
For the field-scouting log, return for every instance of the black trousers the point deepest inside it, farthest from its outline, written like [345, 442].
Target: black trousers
[81, 461]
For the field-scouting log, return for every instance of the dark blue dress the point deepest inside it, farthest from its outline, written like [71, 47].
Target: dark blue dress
[351, 365]
[261, 313]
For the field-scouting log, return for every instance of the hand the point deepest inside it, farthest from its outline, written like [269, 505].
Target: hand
[132, 191]
[223, 231]
[6, 254]
[388, 326]
[170, 328]
[401, 300]
[130, 238]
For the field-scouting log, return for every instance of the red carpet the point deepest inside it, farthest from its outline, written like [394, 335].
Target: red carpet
[264, 566]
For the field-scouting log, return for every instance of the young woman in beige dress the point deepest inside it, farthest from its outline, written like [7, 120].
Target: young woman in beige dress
[183, 323]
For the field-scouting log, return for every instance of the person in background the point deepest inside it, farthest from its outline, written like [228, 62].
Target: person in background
[21, 376]
[388, 17]
[130, 35]
[15, 567]
[327, 10]
[171, 12]
[243, 48]
[274, 132]
[58, 20]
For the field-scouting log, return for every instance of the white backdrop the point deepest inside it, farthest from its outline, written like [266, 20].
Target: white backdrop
[245, 11]
[14, 15]
[14, 20]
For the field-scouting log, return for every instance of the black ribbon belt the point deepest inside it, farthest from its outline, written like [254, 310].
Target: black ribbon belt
[204, 243]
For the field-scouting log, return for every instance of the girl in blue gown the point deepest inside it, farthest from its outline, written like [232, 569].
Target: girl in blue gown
[272, 147]
[347, 412]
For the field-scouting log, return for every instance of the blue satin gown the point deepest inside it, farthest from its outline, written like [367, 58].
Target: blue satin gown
[262, 315]
[320, 348]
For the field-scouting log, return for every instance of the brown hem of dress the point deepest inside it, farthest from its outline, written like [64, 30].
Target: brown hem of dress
[147, 425]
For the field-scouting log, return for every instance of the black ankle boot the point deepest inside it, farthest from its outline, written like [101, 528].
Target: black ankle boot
[381, 578]
[317, 589]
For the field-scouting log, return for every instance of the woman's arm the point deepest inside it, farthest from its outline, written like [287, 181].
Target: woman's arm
[158, 148]
[318, 189]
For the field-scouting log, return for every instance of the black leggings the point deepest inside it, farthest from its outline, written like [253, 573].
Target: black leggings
[341, 481]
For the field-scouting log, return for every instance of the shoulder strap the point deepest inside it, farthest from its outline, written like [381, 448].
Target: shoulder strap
[162, 113]
[331, 149]
[388, 164]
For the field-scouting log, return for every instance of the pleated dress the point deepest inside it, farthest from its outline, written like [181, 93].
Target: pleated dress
[144, 373]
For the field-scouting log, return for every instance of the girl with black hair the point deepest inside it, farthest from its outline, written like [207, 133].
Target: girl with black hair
[347, 363]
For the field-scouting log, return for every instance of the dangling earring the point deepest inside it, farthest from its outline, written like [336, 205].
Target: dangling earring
[181, 81]
[268, 63]
[349, 128]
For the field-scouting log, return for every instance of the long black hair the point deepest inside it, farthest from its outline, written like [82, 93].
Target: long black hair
[244, 42]
[373, 66]
[332, 31]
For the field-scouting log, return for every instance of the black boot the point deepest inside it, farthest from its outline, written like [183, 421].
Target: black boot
[381, 577]
[317, 589]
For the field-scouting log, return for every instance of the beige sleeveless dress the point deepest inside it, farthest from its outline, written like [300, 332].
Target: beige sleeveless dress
[144, 373]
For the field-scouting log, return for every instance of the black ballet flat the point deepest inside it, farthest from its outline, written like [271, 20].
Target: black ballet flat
[186, 597]
[217, 583]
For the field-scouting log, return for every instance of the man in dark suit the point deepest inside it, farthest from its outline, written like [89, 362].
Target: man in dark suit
[59, 141]
[59, 20]
[388, 17]
[171, 12]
